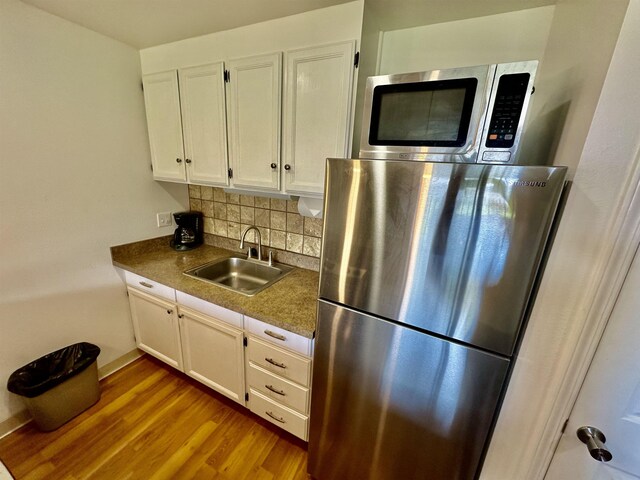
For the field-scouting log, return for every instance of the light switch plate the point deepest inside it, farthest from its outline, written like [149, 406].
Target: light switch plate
[164, 219]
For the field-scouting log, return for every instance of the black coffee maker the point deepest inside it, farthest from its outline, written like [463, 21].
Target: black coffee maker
[188, 235]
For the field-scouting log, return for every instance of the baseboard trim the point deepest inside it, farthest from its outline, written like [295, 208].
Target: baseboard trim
[118, 363]
[23, 417]
[14, 422]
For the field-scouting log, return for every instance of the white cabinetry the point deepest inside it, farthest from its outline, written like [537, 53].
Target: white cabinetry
[207, 342]
[162, 103]
[204, 124]
[279, 376]
[187, 124]
[254, 105]
[155, 324]
[318, 98]
[213, 353]
[196, 115]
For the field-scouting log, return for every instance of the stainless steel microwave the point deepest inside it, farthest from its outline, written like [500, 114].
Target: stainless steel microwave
[469, 114]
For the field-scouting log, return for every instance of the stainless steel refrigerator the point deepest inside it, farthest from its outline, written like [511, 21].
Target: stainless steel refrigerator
[427, 272]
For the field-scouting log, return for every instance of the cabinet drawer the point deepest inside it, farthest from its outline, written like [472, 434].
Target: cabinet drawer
[211, 309]
[279, 336]
[288, 365]
[279, 415]
[278, 389]
[150, 286]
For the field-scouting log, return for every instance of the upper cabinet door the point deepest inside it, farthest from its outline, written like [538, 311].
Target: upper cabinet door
[253, 99]
[204, 124]
[319, 85]
[162, 102]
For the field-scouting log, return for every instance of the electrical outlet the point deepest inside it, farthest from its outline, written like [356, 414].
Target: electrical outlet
[164, 219]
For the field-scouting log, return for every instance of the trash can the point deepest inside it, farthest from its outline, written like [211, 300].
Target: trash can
[59, 385]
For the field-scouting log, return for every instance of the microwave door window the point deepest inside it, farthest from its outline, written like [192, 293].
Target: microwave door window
[445, 113]
[422, 114]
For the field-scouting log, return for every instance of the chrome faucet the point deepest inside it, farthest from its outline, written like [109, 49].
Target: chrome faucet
[244, 234]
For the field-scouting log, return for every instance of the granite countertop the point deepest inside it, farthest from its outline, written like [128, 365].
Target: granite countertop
[289, 303]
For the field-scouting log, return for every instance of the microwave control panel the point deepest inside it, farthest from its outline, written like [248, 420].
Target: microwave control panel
[507, 109]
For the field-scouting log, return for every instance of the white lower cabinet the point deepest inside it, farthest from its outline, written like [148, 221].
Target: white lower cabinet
[278, 382]
[155, 324]
[208, 343]
[278, 414]
[278, 389]
[213, 353]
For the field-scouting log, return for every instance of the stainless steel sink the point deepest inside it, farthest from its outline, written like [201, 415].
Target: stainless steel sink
[242, 275]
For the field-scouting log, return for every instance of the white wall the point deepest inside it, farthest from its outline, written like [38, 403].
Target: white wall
[370, 46]
[587, 231]
[507, 37]
[75, 179]
[569, 80]
[317, 27]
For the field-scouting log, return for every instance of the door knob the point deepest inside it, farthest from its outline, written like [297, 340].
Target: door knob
[287, 167]
[594, 439]
[187, 160]
[273, 166]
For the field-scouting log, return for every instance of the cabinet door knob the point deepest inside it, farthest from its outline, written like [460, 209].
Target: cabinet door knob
[178, 160]
[287, 167]
[169, 311]
[187, 160]
[274, 166]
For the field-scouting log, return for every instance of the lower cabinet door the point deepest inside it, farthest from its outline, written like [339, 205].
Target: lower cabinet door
[213, 353]
[155, 324]
[279, 415]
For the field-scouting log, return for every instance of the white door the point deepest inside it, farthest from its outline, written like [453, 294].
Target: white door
[317, 123]
[253, 101]
[213, 353]
[155, 324]
[609, 399]
[204, 124]
[162, 104]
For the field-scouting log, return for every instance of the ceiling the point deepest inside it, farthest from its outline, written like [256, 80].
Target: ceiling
[146, 23]
[397, 14]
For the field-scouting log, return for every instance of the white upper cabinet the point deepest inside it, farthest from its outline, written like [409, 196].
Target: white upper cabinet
[204, 124]
[318, 98]
[254, 109]
[187, 124]
[162, 102]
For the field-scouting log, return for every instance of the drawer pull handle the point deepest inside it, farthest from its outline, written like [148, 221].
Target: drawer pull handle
[145, 284]
[279, 392]
[275, 335]
[277, 419]
[273, 362]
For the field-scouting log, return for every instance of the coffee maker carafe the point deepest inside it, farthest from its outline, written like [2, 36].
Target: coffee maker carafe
[188, 235]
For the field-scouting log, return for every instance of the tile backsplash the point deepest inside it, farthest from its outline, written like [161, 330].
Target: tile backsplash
[226, 215]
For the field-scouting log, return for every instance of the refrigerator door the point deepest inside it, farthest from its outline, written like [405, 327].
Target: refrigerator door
[450, 248]
[390, 402]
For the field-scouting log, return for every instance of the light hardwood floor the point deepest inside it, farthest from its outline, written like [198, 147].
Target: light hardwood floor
[155, 423]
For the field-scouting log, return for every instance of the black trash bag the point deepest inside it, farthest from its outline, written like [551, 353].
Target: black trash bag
[52, 369]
